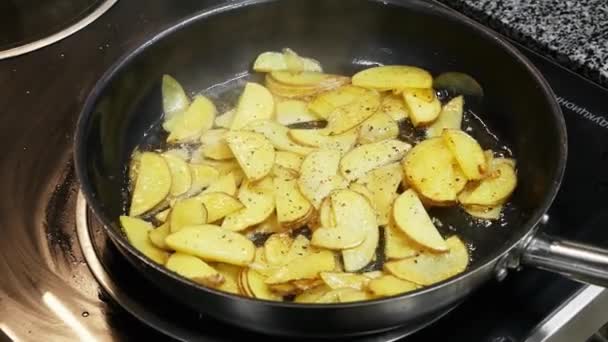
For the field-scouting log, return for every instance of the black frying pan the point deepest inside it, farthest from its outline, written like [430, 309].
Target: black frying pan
[346, 36]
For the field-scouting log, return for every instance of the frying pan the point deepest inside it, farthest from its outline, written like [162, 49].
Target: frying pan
[216, 47]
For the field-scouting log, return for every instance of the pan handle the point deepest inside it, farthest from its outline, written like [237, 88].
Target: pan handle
[574, 260]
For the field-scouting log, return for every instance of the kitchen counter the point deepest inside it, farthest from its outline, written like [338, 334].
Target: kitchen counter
[573, 32]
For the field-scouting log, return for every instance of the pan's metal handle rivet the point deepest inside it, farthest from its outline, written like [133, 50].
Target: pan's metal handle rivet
[501, 274]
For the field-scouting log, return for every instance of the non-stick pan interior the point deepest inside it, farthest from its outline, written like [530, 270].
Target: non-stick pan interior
[345, 36]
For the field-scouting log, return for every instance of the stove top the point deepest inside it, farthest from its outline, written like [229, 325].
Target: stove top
[49, 289]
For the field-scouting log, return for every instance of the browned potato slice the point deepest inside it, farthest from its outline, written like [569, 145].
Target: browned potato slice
[355, 218]
[289, 160]
[256, 102]
[421, 111]
[493, 190]
[287, 60]
[256, 286]
[291, 205]
[259, 205]
[219, 205]
[394, 106]
[253, 151]
[346, 117]
[468, 153]
[393, 77]
[411, 217]
[230, 274]
[365, 158]
[213, 243]
[214, 145]
[389, 285]
[382, 183]
[181, 177]
[484, 212]
[432, 170]
[225, 120]
[188, 125]
[276, 248]
[450, 117]
[137, 232]
[157, 236]
[293, 111]
[277, 135]
[187, 212]
[202, 177]
[313, 137]
[378, 127]
[152, 185]
[319, 175]
[312, 295]
[325, 103]
[174, 97]
[191, 267]
[358, 257]
[339, 280]
[428, 268]
[396, 243]
[306, 267]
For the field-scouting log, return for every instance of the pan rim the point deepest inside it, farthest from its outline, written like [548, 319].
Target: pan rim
[84, 121]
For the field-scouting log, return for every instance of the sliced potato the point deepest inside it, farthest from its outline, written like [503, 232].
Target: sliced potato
[162, 216]
[309, 78]
[326, 214]
[269, 225]
[253, 152]
[411, 217]
[174, 97]
[297, 63]
[213, 243]
[325, 103]
[230, 274]
[346, 117]
[256, 286]
[306, 267]
[181, 176]
[191, 267]
[421, 112]
[293, 209]
[344, 295]
[340, 280]
[396, 243]
[256, 102]
[468, 153]
[450, 117]
[223, 166]
[382, 183]
[428, 268]
[157, 236]
[319, 175]
[225, 120]
[365, 158]
[389, 285]
[288, 160]
[394, 106]
[137, 233]
[293, 111]
[492, 190]
[354, 220]
[219, 205]
[261, 265]
[312, 295]
[287, 60]
[259, 205]
[364, 191]
[431, 169]
[188, 125]
[314, 137]
[484, 212]
[300, 247]
[288, 91]
[202, 177]
[134, 167]
[225, 183]
[393, 77]
[214, 145]
[277, 135]
[358, 257]
[187, 212]
[276, 248]
[152, 185]
[425, 94]
[378, 127]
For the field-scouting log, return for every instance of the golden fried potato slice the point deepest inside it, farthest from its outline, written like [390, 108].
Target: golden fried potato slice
[191, 267]
[344, 295]
[224, 183]
[365, 158]
[286, 60]
[288, 160]
[394, 106]
[346, 117]
[277, 135]
[188, 125]
[181, 176]
[213, 243]
[214, 145]
[187, 212]
[484, 212]
[259, 205]
[411, 217]
[382, 183]
[276, 248]
[308, 78]
[378, 127]
[269, 225]
[174, 97]
[225, 120]
[493, 190]
[326, 214]
[389, 285]
[421, 111]
[219, 205]
[340, 280]
[319, 175]
[157, 236]
[254, 153]
[468, 153]
[358, 257]
[152, 185]
[450, 117]
[256, 102]
[293, 111]
[396, 243]
[325, 103]
[287, 91]
[312, 295]
[255, 285]
[364, 191]
[261, 265]
[393, 77]
[137, 232]
[425, 94]
[300, 247]
[314, 137]
[292, 207]
[202, 177]
[306, 267]
[429, 268]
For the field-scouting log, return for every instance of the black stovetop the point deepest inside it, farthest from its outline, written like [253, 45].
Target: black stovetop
[46, 289]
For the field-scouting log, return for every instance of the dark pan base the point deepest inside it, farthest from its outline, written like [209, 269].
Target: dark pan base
[131, 291]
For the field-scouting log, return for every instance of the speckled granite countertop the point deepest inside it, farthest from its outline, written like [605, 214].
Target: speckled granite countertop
[573, 32]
